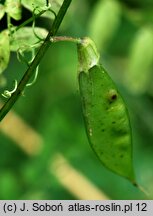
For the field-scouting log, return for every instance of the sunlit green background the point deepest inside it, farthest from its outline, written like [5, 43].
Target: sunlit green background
[123, 32]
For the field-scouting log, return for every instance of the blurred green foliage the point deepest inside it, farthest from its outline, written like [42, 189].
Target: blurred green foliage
[52, 106]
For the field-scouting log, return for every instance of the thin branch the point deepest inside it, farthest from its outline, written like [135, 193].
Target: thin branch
[65, 38]
[31, 70]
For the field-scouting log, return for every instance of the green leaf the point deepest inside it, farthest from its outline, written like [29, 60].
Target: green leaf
[25, 38]
[40, 5]
[30, 5]
[56, 4]
[2, 11]
[107, 120]
[13, 8]
[4, 50]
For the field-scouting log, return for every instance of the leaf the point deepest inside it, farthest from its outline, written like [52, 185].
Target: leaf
[56, 4]
[13, 8]
[40, 5]
[106, 119]
[30, 5]
[2, 11]
[25, 38]
[104, 21]
[4, 50]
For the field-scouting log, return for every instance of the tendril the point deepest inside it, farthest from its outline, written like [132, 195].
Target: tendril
[36, 72]
[47, 8]
[35, 77]
[20, 56]
[7, 93]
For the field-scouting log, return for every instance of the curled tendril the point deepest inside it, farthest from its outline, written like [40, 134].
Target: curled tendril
[20, 56]
[53, 12]
[36, 72]
[7, 93]
[33, 28]
[34, 79]
[26, 48]
[46, 8]
[21, 51]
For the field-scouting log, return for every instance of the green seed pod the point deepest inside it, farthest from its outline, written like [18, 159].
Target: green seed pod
[139, 70]
[104, 21]
[106, 117]
[4, 50]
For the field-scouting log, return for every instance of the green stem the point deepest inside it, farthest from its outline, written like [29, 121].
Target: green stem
[31, 70]
[9, 22]
[65, 38]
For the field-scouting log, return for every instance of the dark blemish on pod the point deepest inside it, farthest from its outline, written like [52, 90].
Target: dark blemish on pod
[102, 130]
[121, 156]
[112, 95]
[113, 122]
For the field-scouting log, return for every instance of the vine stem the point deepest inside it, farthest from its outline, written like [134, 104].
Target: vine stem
[31, 69]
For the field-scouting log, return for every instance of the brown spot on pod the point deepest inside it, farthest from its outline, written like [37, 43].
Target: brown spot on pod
[112, 95]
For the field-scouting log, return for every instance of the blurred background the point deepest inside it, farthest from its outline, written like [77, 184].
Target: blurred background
[44, 151]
